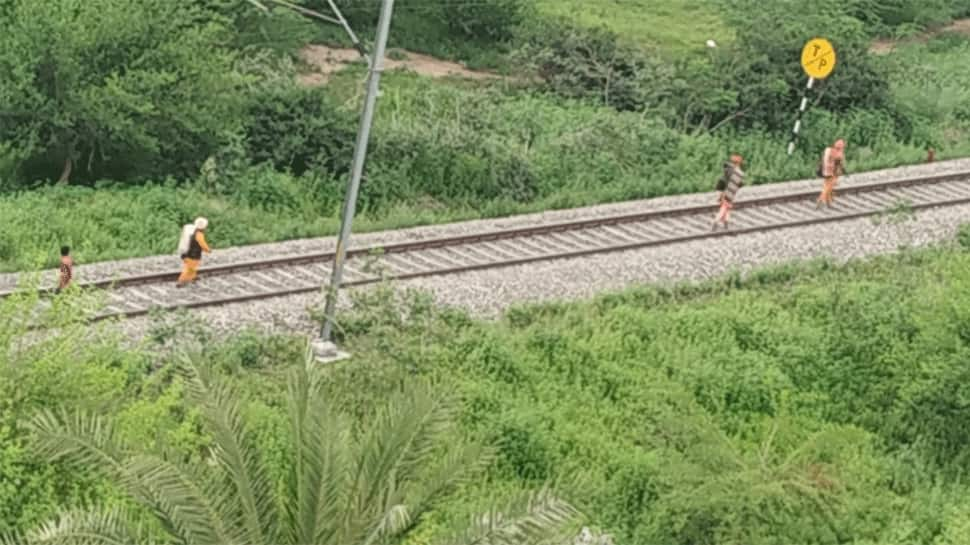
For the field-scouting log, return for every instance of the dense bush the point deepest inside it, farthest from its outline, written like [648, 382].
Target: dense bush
[592, 63]
[65, 370]
[115, 88]
[881, 16]
[486, 20]
[769, 77]
[298, 129]
[813, 404]
[749, 82]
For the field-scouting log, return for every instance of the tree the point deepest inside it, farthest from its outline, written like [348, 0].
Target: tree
[593, 63]
[126, 87]
[298, 129]
[347, 484]
[764, 67]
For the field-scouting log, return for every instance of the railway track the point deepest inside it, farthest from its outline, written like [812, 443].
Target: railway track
[248, 281]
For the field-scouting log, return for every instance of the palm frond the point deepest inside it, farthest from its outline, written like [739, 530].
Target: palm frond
[393, 522]
[458, 464]
[81, 439]
[87, 441]
[178, 499]
[259, 5]
[12, 539]
[539, 518]
[250, 513]
[317, 484]
[110, 526]
[401, 439]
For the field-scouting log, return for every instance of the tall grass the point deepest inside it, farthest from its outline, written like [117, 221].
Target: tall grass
[674, 26]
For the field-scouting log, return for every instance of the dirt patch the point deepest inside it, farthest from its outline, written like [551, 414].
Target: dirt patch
[883, 46]
[326, 61]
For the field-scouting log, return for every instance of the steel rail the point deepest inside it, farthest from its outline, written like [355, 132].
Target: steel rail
[516, 233]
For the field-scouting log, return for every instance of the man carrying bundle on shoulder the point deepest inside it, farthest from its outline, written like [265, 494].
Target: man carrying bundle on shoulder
[191, 246]
[728, 185]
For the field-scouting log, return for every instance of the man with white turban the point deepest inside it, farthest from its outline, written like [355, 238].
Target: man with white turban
[191, 247]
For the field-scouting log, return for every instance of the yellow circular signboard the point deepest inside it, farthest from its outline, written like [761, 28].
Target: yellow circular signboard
[818, 58]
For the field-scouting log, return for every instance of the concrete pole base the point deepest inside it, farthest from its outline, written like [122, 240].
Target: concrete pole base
[327, 352]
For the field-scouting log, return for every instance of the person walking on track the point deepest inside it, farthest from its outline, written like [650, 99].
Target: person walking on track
[191, 246]
[67, 269]
[831, 167]
[728, 185]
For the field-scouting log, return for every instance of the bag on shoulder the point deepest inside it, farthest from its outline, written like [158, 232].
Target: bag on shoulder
[818, 169]
[722, 182]
[186, 239]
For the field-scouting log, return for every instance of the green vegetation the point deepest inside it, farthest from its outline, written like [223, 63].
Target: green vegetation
[615, 113]
[341, 484]
[815, 403]
[608, 120]
[67, 99]
[233, 443]
[812, 404]
[674, 25]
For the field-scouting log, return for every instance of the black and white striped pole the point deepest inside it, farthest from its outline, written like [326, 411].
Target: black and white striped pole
[798, 116]
[818, 61]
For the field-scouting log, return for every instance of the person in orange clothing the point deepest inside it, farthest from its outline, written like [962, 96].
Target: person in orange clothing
[728, 185]
[190, 248]
[833, 166]
[67, 270]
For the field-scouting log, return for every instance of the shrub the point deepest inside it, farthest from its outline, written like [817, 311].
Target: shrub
[486, 20]
[298, 129]
[69, 368]
[106, 88]
[816, 404]
[768, 75]
[882, 15]
[522, 449]
[592, 64]
[963, 236]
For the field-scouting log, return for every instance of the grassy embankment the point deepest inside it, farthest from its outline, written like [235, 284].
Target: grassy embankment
[815, 404]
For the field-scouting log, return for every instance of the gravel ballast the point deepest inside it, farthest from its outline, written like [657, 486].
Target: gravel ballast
[487, 293]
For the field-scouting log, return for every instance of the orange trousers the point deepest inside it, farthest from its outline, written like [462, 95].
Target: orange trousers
[190, 268]
[725, 211]
[828, 190]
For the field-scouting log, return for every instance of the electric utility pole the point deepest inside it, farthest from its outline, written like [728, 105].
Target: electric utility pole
[325, 348]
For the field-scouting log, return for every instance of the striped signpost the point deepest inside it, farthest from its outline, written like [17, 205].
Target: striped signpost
[818, 61]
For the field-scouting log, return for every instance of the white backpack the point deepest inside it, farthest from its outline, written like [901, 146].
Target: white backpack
[187, 231]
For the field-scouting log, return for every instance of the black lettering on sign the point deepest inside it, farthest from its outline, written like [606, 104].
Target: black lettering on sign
[817, 47]
[822, 63]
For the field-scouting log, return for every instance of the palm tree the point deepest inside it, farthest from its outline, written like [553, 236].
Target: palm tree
[344, 487]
